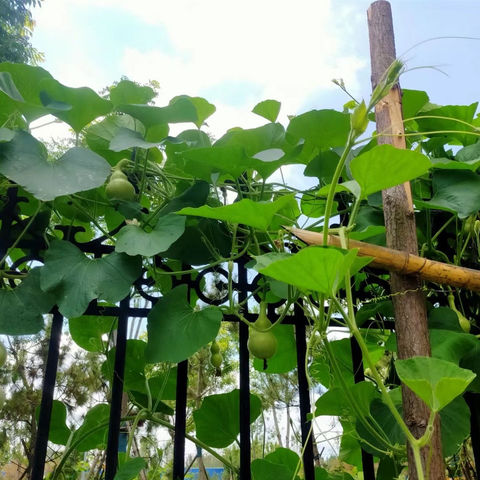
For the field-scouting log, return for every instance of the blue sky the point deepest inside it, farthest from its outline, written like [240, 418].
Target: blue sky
[237, 54]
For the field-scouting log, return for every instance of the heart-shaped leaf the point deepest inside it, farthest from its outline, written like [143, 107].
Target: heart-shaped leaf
[24, 160]
[75, 106]
[76, 280]
[437, 382]
[176, 331]
[25, 305]
[133, 240]
[217, 421]
[384, 166]
[87, 331]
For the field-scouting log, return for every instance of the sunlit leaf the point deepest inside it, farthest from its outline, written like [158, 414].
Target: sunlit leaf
[268, 109]
[247, 212]
[385, 166]
[437, 382]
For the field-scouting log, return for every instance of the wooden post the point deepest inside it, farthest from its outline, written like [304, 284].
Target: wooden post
[410, 310]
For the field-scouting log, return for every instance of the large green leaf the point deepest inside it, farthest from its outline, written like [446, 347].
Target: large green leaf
[455, 129]
[76, 280]
[247, 212]
[385, 166]
[93, 431]
[437, 382]
[176, 331]
[412, 102]
[179, 111]
[320, 269]
[59, 432]
[133, 240]
[455, 426]
[285, 358]
[456, 191]
[203, 107]
[229, 160]
[87, 331]
[24, 160]
[22, 308]
[75, 106]
[127, 91]
[217, 421]
[27, 80]
[7, 86]
[451, 346]
[268, 109]
[323, 128]
[254, 140]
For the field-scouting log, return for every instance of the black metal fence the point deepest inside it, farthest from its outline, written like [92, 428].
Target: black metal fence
[244, 285]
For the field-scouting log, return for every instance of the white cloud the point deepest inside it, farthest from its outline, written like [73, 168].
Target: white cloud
[280, 49]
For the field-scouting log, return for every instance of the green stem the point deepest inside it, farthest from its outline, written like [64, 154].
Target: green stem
[131, 434]
[333, 185]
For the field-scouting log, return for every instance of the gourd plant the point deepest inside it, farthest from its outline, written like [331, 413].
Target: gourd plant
[163, 201]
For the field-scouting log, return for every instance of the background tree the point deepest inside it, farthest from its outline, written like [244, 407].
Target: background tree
[16, 26]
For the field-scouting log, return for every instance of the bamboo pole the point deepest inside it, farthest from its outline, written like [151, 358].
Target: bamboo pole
[411, 325]
[401, 262]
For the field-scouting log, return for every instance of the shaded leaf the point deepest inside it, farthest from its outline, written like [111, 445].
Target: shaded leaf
[76, 280]
[24, 161]
[93, 431]
[25, 305]
[84, 104]
[87, 331]
[59, 432]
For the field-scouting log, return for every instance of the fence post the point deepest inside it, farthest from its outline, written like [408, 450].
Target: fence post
[41, 442]
[111, 459]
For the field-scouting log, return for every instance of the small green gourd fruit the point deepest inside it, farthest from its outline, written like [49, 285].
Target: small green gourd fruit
[462, 320]
[119, 187]
[216, 358]
[262, 343]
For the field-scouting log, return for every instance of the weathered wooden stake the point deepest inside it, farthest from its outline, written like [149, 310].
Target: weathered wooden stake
[410, 311]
